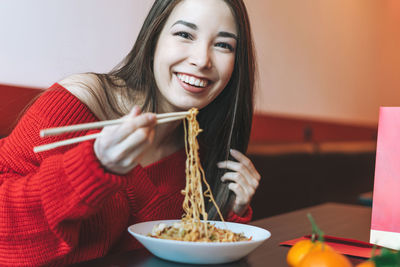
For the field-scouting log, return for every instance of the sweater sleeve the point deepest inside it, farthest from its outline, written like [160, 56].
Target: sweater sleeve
[43, 197]
[245, 218]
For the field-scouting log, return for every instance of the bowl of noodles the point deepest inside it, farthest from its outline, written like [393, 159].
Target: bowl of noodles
[164, 240]
[194, 239]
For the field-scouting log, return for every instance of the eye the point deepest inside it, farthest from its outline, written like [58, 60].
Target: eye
[225, 46]
[185, 35]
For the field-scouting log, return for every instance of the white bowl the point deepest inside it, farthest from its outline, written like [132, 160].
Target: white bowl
[200, 252]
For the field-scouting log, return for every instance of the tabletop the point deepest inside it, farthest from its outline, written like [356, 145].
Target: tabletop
[340, 220]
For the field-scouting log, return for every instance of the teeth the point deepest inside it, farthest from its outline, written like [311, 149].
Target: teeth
[192, 80]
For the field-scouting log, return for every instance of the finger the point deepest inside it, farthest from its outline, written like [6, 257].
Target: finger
[122, 159]
[243, 159]
[241, 196]
[134, 144]
[134, 123]
[247, 163]
[240, 168]
[231, 165]
[136, 120]
[134, 111]
[240, 180]
[114, 134]
[235, 177]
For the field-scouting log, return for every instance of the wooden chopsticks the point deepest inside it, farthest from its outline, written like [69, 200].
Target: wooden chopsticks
[161, 118]
[42, 148]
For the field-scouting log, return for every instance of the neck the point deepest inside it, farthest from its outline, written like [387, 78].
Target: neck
[168, 134]
[168, 139]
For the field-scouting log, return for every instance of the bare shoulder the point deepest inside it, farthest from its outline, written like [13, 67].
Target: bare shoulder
[79, 83]
[88, 89]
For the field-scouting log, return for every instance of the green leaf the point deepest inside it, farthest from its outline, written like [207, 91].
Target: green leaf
[387, 258]
[315, 229]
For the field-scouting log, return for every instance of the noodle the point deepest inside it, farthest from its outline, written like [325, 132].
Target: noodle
[191, 228]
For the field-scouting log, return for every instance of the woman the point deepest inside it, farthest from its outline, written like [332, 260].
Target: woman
[75, 203]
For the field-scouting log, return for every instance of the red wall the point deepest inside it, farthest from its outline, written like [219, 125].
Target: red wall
[266, 128]
[281, 129]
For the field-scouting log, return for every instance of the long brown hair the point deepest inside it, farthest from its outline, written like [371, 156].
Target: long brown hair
[226, 121]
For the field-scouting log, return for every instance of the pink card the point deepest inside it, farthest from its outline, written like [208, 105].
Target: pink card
[385, 222]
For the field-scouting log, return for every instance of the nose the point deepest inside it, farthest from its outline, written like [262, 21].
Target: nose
[200, 56]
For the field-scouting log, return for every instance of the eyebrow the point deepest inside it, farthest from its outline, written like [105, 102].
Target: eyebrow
[228, 34]
[188, 24]
[194, 27]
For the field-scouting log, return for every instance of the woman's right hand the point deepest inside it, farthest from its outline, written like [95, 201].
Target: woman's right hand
[120, 147]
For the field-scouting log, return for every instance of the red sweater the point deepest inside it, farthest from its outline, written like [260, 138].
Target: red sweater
[60, 206]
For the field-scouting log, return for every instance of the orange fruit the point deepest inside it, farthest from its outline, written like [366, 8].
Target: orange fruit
[366, 264]
[324, 258]
[299, 250]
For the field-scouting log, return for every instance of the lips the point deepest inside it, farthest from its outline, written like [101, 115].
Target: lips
[192, 80]
[191, 83]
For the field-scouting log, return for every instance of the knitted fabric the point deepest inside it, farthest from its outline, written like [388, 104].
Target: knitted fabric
[60, 206]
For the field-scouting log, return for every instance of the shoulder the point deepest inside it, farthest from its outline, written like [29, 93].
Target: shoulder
[88, 88]
[84, 86]
[80, 80]
[57, 103]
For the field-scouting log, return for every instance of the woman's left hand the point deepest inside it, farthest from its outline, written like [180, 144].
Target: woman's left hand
[245, 180]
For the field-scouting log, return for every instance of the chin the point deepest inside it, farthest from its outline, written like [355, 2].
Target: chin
[181, 103]
[199, 107]
[189, 105]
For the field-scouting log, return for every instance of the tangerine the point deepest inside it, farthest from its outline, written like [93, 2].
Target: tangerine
[299, 250]
[324, 258]
[368, 263]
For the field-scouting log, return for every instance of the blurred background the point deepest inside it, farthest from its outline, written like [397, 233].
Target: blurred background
[324, 69]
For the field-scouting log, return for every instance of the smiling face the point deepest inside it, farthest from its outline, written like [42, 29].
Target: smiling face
[195, 54]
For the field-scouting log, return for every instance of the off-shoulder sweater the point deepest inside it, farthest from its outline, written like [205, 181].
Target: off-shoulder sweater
[60, 206]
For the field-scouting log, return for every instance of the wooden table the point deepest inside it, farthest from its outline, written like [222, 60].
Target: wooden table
[342, 220]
